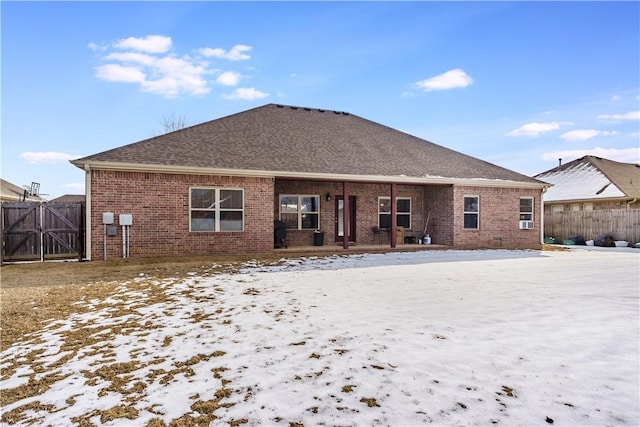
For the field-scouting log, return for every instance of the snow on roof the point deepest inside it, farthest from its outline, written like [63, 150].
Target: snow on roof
[581, 181]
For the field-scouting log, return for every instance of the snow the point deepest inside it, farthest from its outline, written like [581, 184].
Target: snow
[443, 337]
[579, 182]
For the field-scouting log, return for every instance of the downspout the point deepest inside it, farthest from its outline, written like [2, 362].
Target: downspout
[544, 190]
[630, 202]
[87, 222]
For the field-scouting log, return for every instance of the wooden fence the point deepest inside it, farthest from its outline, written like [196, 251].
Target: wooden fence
[623, 224]
[40, 231]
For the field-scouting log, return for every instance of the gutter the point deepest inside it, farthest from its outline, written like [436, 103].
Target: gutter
[399, 179]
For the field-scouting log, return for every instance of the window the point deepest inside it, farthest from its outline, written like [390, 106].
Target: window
[587, 206]
[526, 209]
[471, 212]
[300, 212]
[403, 212]
[216, 209]
[557, 208]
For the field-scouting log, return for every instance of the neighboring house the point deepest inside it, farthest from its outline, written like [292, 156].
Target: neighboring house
[592, 183]
[69, 198]
[12, 193]
[217, 187]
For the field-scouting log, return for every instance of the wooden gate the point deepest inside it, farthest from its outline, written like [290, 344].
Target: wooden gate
[40, 231]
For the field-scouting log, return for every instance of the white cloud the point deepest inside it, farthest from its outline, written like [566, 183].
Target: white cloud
[148, 62]
[132, 57]
[247, 93]
[631, 115]
[584, 134]
[119, 73]
[228, 78]
[450, 80]
[49, 157]
[235, 54]
[626, 155]
[536, 129]
[150, 44]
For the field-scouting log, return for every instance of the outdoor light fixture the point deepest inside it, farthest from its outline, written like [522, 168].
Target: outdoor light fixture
[327, 197]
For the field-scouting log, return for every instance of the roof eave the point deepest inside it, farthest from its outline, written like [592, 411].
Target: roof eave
[400, 179]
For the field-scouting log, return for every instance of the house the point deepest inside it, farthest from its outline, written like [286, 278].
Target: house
[218, 187]
[12, 193]
[592, 183]
[69, 198]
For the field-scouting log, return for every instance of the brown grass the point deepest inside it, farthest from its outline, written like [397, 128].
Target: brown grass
[34, 293]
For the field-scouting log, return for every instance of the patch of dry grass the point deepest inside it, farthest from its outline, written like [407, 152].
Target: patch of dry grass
[34, 293]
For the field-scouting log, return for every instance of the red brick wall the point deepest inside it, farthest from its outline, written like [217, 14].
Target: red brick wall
[366, 207]
[439, 201]
[499, 218]
[159, 204]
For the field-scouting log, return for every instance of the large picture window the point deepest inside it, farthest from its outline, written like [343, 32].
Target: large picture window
[403, 212]
[300, 212]
[471, 212]
[216, 209]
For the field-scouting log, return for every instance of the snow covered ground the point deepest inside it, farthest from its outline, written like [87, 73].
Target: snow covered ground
[442, 337]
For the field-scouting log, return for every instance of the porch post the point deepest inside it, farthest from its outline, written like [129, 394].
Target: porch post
[394, 222]
[345, 215]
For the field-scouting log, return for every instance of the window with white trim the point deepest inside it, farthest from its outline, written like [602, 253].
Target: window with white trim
[403, 212]
[471, 206]
[300, 211]
[216, 209]
[526, 209]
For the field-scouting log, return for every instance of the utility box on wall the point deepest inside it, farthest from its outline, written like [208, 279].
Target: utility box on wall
[107, 218]
[126, 219]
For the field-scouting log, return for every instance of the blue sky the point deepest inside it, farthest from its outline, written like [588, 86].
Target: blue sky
[516, 84]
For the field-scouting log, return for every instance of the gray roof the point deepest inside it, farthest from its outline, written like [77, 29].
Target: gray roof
[10, 192]
[592, 178]
[69, 198]
[286, 140]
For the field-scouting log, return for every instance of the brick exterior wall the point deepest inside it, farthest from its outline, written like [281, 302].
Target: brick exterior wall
[366, 209]
[159, 204]
[499, 218]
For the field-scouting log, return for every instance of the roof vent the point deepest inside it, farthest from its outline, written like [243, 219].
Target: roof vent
[322, 111]
[307, 109]
[336, 112]
[344, 113]
[279, 106]
[294, 108]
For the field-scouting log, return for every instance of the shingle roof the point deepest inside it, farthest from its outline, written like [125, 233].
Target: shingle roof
[12, 193]
[277, 138]
[592, 178]
[69, 198]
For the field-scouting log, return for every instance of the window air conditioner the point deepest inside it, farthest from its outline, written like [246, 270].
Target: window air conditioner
[526, 225]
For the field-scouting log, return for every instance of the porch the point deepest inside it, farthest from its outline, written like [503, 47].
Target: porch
[355, 248]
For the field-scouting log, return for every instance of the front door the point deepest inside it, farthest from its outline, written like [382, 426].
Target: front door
[351, 232]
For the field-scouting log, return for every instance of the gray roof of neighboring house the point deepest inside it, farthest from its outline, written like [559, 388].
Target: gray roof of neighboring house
[287, 141]
[69, 198]
[592, 178]
[12, 193]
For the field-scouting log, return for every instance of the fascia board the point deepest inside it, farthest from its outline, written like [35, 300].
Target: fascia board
[399, 179]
